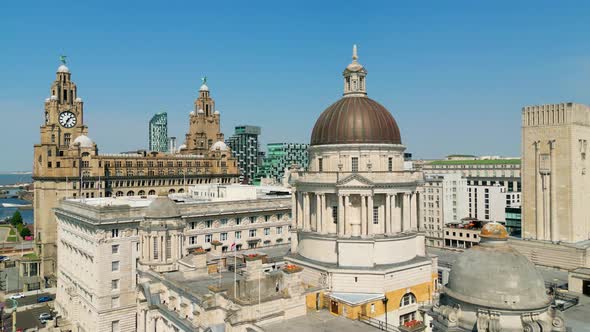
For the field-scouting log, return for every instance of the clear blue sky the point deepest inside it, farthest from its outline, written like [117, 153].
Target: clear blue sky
[455, 74]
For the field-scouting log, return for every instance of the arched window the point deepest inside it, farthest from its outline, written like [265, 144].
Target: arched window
[130, 193]
[180, 191]
[152, 192]
[171, 191]
[141, 193]
[407, 299]
[119, 193]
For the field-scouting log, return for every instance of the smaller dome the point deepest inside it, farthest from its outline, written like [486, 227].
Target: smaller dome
[84, 142]
[193, 112]
[162, 207]
[182, 146]
[53, 98]
[216, 112]
[355, 66]
[494, 231]
[204, 87]
[79, 100]
[219, 146]
[63, 69]
[47, 100]
[200, 111]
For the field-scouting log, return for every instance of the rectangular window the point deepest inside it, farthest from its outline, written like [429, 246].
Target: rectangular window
[192, 240]
[280, 230]
[320, 165]
[115, 232]
[155, 248]
[238, 235]
[267, 231]
[375, 215]
[252, 220]
[115, 284]
[115, 266]
[168, 246]
[223, 237]
[115, 326]
[252, 233]
[208, 238]
[208, 223]
[238, 221]
[355, 164]
[115, 302]
[390, 164]
[335, 214]
[224, 222]
[115, 249]
[266, 218]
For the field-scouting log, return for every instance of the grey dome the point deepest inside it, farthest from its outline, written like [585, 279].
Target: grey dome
[495, 275]
[162, 207]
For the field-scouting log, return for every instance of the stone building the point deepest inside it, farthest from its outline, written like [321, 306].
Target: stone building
[67, 163]
[355, 213]
[110, 247]
[473, 300]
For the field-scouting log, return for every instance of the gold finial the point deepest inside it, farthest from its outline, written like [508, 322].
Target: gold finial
[354, 56]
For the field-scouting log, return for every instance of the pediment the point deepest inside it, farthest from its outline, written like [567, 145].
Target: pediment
[355, 180]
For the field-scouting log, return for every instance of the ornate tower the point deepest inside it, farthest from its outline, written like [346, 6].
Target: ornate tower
[204, 128]
[55, 159]
[354, 77]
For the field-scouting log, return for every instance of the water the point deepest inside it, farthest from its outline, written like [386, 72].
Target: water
[15, 178]
[8, 179]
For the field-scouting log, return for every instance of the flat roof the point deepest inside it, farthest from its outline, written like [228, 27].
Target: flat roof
[476, 162]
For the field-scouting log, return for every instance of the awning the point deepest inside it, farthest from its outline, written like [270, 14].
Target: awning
[355, 299]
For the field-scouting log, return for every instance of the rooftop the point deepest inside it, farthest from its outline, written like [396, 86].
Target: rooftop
[476, 162]
[319, 321]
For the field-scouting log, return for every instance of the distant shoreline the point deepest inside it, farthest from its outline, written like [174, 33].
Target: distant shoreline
[15, 173]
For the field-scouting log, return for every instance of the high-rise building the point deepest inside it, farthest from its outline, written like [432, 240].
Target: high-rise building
[158, 131]
[67, 164]
[245, 147]
[280, 156]
[355, 229]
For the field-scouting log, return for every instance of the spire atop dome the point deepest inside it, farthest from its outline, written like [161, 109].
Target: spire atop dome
[354, 77]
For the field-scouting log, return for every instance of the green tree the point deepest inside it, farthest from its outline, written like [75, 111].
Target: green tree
[25, 232]
[17, 218]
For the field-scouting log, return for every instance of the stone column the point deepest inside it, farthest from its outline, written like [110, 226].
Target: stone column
[340, 223]
[363, 215]
[306, 216]
[294, 209]
[298, 216]
[406, 225]
[387, 228]
[413, 211]
[370, 226]
[553, 206]
[538, 195]
[325, 215]
[318, 213]
[347, 219]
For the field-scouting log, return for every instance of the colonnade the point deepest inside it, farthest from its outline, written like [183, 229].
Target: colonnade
[148, 242]
[393, 213]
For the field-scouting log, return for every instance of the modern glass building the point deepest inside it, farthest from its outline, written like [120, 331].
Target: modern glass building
[158, 132]
[280, 156]
[245, 147]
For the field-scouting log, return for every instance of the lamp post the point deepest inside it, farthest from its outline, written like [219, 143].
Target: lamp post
[385, 300]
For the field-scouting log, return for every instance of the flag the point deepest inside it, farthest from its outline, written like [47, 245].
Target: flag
[232, 247]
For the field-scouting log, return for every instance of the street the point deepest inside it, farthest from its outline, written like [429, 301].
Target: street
[26, 319]
[31, 299]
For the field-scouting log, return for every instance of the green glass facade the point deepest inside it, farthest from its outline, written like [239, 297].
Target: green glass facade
[280, 156]
[158, 132]
[513, 221]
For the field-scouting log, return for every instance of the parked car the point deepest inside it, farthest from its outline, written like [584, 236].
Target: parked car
[44, 317]
[44, 299]
[4, 258]
[17, 296]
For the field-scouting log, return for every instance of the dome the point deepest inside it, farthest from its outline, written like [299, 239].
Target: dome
[355, 119]
[216, 112]
[162, 207]
[182, 146]
[193, 113]
[84, 142]
[219, 146]
[204, 87]
[47, 100]
[63, 69]
[79, 99]
[53, 98]
[472, 278]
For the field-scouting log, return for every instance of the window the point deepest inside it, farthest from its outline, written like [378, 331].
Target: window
[224, 222]
[355, 164]
[335, 214]
[320, 165]
[155, 248]
[407, 299]
[252, 220]
[115, 232]
[115, 284]
[115, 266]
[390, 164]
[115, 326]
[168, 247]
[267, 231]
[238, 221]
[252, 233]
[375, 215]
[208, 238]
[115, 249]
[238, 235]
[279, 216]
[223, 236]
[266, 218]
[280, 230]
[208, 223]
[407, 318]
[192, 240]
[115, 302]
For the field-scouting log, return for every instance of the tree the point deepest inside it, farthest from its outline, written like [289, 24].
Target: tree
[25, 232]
[17, 218]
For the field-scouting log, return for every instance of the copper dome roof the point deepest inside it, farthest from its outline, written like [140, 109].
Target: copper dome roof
[355, 120]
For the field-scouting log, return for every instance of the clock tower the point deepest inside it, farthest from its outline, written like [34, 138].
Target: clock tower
[55, 171]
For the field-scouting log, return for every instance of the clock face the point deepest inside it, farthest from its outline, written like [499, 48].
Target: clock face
[67, 119]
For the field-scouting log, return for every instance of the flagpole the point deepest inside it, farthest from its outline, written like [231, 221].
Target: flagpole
[235, 269]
